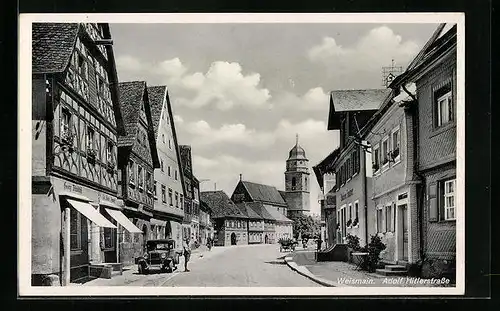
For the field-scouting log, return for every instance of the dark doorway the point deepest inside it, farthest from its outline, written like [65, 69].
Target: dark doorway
[233, 238]
[404, 232]
[79, 245]
[266, 239]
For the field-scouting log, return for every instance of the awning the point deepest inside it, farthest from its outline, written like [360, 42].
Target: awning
[123, 220]
[91, 213]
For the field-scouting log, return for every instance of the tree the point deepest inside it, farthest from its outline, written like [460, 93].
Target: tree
[306, 226]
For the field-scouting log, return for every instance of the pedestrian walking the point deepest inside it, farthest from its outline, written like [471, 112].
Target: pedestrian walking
[209, 243]
[187, 253]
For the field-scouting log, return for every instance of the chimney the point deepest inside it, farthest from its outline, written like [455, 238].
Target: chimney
[241, 178]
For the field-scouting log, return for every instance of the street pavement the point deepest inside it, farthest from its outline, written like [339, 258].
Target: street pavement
[241, 266]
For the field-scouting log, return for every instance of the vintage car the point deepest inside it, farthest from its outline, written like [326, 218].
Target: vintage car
[160, 254]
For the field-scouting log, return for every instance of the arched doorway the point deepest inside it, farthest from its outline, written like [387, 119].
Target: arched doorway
[233, 238]
[266, 239]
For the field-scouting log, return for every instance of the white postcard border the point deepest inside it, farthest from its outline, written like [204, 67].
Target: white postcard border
[25, 152]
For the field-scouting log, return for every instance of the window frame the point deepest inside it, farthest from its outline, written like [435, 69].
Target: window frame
[170, 197]
[449, 195]
[449, 97]
[356, 210]
[398, 131]
[131, 172]
[376, 158]
[163, 193]
[78, 232]
[385, 156]
[380, 219]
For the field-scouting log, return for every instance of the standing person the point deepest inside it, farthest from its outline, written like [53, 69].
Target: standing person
[319, 243]
[187, 253]
[209, 243]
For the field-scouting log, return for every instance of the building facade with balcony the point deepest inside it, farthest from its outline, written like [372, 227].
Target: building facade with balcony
[434, 111]
[169, 184]
[138, 153]
[230, 223]
[76, 121]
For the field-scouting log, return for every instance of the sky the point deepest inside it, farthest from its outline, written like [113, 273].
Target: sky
[241, 92]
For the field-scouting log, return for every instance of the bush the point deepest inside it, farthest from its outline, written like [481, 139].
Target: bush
[374, 248]
[353, 242]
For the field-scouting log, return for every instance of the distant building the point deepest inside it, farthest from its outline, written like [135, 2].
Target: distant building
[168, 213]
[206, 228]
[255, 222]
[230, 224]
[271, 200]
[297, 183]
[187, 171]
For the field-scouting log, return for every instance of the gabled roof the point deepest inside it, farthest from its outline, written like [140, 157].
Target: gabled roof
[444, 35]
[263, 193]
[221, 205]
[357, 100]
[247, 209]
[325, 166]
[132, 96]
[353, 100]
[53, 45]
[156, 98]
[260, 210]
[276, 215]
[283, 194]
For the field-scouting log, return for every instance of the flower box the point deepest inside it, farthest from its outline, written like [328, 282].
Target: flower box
[67, 137]
[91, 154]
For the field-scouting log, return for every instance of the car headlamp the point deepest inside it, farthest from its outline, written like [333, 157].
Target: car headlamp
[163, 255]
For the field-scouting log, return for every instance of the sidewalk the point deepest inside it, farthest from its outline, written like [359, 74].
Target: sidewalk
[131, 277]
[343, 274]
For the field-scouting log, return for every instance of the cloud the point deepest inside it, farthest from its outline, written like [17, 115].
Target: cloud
[223, 85]
[178, 119]
[226, 169]
[315, 99]
[363, 61]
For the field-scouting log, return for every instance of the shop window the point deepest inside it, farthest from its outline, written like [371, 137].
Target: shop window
[443, 105]
[109, 238]
[75, 230]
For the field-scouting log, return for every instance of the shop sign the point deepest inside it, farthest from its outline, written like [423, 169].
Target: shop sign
[106, 197]
[73, 188]
[346, 194]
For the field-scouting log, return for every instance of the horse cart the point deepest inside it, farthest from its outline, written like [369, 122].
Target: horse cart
[287, 245]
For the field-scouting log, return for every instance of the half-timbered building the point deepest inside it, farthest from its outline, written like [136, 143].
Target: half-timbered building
[76, 121]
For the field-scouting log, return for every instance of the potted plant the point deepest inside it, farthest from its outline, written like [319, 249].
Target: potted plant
[91, 154]
[349, 223]
[395, 153]
[355, 222]
[67, 137]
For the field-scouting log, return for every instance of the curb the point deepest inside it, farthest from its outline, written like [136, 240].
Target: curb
[302, 270]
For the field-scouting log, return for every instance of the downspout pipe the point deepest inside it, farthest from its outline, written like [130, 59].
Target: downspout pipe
[365, 194]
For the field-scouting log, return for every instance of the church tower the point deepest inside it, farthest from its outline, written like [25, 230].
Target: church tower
[297, 180]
